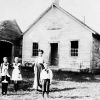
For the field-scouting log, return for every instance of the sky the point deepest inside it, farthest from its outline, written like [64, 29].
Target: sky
[26, 11]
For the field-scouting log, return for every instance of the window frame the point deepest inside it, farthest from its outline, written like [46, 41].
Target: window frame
[35, 54]
[74, 51]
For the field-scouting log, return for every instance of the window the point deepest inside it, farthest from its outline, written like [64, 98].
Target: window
[74, 48]
[35, 49]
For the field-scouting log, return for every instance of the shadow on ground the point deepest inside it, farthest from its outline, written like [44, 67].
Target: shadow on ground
[75, 76]
[59, 90]
[69, 97]
[28, 73]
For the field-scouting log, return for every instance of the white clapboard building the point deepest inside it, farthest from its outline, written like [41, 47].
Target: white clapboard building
[67, 42]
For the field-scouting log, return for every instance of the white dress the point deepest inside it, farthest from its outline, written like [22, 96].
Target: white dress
[4, 66]
[16, 74]
[39, 60]
[37, 71]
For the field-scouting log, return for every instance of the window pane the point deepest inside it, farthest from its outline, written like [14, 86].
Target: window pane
[74, 44]
[74, 48]
[35, 45]
[35, 49]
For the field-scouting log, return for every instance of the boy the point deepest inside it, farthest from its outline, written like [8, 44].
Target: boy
[46, 79]
[4, 65]
[5, 79]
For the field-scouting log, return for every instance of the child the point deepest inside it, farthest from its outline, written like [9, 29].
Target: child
[5, 79]
[4, 65]
[16, 73]
[46, 79]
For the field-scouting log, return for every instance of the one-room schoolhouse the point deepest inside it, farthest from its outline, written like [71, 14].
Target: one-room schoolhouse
[68, 43]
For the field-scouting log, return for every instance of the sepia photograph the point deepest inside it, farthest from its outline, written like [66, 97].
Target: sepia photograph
[49, 49]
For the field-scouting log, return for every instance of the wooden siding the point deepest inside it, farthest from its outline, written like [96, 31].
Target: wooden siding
[57, 27]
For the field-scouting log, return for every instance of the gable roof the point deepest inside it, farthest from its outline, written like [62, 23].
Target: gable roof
[64, 11]
[9, 30]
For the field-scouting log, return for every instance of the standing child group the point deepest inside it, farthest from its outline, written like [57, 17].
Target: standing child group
[5, 77]
[42, 74]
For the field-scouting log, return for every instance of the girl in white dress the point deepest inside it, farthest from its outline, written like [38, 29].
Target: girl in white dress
[16, 73]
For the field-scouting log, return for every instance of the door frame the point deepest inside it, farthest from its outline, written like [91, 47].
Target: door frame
[50, 42]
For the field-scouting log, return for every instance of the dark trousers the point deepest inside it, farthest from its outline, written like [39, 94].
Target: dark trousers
[16, 86]
[46, 86]
[4, 88]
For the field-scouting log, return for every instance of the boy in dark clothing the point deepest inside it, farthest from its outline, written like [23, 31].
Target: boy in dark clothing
[5, 80]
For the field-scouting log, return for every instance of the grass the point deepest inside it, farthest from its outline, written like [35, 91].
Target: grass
[66, 85]
[75, 76]
[28, 77]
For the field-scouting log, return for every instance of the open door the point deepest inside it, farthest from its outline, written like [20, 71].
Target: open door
[5, 50]
[54, 54]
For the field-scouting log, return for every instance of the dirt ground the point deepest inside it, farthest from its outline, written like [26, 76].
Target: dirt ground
[65, 86]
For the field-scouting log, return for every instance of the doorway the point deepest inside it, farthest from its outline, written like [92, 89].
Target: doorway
[54, 54]
[5, 50]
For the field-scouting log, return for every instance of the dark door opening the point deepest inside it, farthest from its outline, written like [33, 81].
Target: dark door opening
[5, 50]
[54, 54]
